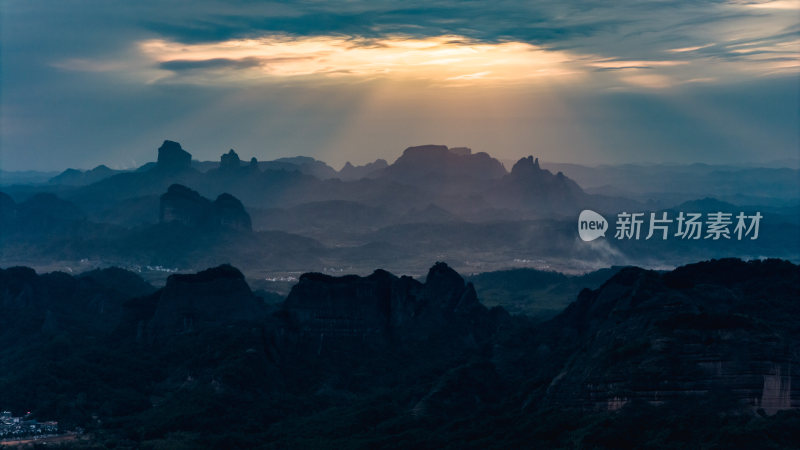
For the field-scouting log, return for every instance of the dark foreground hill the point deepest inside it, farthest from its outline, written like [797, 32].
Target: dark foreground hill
[702, 356]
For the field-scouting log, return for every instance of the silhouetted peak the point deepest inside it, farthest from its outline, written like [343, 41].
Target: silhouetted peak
[172, 157]
[184, 205]
[229, 161]
[424, 150]
[442, 278]
[119, 279]
[369, 307]
[436, 163]
[224, 271]
[231, 212]
[352, 172]
[46, 204]
[179, 189]
[732, 271]
[228, 200]
[526, 165]
[189, 302]
[627, 276]
[17, 277]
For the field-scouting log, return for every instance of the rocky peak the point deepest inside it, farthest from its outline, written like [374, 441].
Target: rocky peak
[184, 205]
[189, 302]
[443, 285]
[351, 172]
[424, 150]
[230, 161]
[435, 163]
[382, 305]
[526, 166]
[231, 213]
[172, 157]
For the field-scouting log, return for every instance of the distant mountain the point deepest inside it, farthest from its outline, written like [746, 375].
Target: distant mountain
[429, 214]
[172, 157]
[173, 166]
[41, 213]
[350, 172]
[529, 187]
[183, 205]
[671, 184]
[330, 219]
[74, 177]
[706, 205]
[433, 203]
[24, 177]
[302, 164]
[436, 166]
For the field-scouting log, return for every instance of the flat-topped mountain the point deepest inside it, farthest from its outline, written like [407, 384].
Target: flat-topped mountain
[172, 157]
[438, 165]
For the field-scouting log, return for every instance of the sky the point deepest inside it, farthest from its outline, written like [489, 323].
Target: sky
[92, 82]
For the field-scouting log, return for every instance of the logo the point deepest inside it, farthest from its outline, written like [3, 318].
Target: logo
[715, 226]
[591, 225]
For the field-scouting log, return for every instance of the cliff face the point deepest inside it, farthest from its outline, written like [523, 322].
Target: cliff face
[230, 161]
[709, 327]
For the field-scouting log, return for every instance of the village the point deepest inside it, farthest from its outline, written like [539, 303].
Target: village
[12, 427]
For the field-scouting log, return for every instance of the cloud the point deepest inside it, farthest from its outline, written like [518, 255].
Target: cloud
[400, 58]
[521, 42]
[84, 82]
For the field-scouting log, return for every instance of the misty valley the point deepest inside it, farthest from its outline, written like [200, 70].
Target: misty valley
[295, 215]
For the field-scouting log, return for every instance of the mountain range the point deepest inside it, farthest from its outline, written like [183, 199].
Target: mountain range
[298, 214]
[703, 355]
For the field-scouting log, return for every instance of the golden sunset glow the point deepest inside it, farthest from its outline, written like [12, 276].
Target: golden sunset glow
[436, 59]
